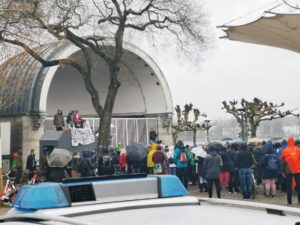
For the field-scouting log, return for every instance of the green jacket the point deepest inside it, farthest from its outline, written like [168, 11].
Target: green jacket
[192, 161]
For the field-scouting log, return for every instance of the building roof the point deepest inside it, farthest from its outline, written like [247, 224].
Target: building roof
[143, 91]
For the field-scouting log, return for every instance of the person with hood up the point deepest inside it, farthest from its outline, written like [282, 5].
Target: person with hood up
[270, 165]
[159, 161]
[150, 163]
[212, 166]
[181, 158]
[122, 160]
[258, 153]
[290, 161]
[281, 183]
[226, 168]
[77, 119]
[245, 161]
[58, 120]
[231, 154]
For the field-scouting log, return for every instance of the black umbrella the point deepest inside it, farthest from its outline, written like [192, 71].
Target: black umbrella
[136, 152]
[216, 145]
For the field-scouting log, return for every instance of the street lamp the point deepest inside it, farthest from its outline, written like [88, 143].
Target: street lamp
[207, 126]
[242, 110]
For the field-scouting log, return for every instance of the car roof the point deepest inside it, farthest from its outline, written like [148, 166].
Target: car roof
[135, 200]
[175, 211]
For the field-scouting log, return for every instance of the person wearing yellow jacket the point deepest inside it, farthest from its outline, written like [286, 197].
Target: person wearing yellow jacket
[150, 163]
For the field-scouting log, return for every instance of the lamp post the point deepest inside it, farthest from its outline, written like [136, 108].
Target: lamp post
[207, 126]
[242, 110]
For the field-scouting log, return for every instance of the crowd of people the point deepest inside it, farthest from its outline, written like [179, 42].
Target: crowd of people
[232, 167]
[236, 167]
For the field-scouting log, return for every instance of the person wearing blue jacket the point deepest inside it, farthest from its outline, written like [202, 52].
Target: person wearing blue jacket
[181, 158]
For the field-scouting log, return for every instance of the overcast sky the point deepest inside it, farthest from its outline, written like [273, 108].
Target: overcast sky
[232, 70]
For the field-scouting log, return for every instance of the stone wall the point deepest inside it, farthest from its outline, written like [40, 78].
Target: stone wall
[24, 136]
[31, 137]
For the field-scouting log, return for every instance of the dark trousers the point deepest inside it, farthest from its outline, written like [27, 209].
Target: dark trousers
[192, 174]
[59, 128]
[181, 173]
[210, 186]
[281, 183]
[289, 187]
[233, 182]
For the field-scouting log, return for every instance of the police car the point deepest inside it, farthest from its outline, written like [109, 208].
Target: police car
[134, 200]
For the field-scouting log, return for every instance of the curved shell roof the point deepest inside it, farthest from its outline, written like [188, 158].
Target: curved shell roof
[144, 90]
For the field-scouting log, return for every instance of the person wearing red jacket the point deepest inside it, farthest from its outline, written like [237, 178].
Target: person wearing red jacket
[122, 161]
[290, 158]
[159, 160]
[78, 121]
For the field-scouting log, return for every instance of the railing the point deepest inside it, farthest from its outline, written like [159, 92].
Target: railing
[123, 130]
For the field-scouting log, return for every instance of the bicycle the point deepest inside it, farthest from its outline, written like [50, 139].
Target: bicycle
[10, 189]
[37, 177]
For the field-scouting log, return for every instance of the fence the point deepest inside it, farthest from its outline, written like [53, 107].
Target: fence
[123, 130]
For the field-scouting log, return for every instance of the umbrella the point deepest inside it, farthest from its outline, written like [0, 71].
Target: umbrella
[59, 158]
[274, 28]
[136, 152]
[255, 140]
[199, 151]
[217, 145]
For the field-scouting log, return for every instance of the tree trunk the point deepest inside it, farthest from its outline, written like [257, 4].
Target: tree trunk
[194, 136]
[105, 119]
[253, 131]
[175, 136]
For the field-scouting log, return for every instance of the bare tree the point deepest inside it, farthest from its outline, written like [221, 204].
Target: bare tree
[255, 112]
[183, 122]
[28, 24]
[11, 93]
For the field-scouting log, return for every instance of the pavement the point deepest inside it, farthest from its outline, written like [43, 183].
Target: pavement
[279, 199]
[3, 210]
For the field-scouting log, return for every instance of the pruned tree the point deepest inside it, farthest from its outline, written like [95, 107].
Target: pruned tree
[183, 122]
[255, 112]
[28, 24]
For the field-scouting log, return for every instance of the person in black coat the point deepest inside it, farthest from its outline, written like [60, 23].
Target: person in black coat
[201, 174]
[225, 169]
[105, 163]
[231, 154]
[258, 154]
[31, 164]
[245, 161]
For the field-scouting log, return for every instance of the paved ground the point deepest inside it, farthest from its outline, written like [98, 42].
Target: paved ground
[3, 210]
[279, 199]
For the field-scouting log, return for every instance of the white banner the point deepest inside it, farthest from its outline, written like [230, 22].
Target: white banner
[83, 136]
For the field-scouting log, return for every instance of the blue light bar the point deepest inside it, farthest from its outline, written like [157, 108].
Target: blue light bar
[41, 196]
[171, 186]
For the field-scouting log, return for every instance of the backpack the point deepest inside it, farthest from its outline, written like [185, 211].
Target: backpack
[182, 157]
[272, 162]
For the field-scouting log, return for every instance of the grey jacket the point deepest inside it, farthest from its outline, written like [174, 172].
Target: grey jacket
[212, 165]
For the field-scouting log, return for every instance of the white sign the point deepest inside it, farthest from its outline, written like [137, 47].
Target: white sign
[83, 136]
